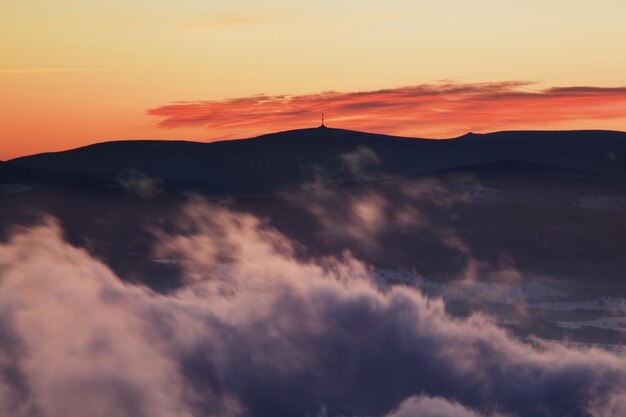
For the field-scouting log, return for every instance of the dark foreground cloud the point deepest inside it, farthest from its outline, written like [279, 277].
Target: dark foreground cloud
[256, 332]
[437, 110]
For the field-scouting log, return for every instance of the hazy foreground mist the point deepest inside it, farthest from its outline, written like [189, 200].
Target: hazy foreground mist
[257, 330]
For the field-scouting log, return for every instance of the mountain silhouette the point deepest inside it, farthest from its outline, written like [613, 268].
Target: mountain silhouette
[553, 202]
[292, 157]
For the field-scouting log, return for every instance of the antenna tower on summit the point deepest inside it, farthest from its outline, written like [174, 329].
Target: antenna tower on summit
[322, 125]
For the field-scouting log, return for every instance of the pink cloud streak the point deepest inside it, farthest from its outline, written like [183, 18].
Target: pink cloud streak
[436, 110]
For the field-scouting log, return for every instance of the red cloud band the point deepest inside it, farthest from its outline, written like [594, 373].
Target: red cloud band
[436, 110]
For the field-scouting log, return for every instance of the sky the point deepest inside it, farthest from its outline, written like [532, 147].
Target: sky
[78, 72]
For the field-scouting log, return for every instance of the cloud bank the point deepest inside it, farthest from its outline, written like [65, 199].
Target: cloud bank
[257, 332]
[429, 110]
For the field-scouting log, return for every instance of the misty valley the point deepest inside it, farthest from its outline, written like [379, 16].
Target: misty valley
[317, 272]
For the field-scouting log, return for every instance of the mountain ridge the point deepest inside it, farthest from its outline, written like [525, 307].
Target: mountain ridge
[292, 157]
[468, 135]
[552, 202]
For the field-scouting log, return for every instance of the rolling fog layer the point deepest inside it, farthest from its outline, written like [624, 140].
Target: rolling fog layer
[257, 331]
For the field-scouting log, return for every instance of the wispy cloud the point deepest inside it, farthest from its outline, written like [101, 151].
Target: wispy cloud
[40, 70]
[218, 21]
[437, 110]
[9, 71]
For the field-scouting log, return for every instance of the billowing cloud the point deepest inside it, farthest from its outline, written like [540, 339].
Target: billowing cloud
[257, 332]
[368, 221]
[430, 110]
[71, 343]
[431, 407]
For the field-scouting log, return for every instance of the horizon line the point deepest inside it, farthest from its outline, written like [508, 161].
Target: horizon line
[314, 128]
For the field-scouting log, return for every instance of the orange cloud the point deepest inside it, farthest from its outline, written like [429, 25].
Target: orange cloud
[433, 110]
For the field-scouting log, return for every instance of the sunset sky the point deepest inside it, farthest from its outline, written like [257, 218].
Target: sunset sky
[78, 72]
